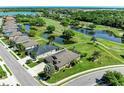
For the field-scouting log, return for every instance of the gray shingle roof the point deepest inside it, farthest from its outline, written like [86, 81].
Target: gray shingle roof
[44, 49]
[62, 58]
[10, 30]
[21, 39]
[30, 43]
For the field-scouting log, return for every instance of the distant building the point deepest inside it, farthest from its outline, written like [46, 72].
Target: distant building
[30, 44]
[62, 58]
[20, 39]
[10, 30]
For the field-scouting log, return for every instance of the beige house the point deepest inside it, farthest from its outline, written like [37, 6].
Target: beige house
[62, 58]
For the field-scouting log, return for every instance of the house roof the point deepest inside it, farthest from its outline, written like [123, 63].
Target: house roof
[43, 49]
[21, 39]
[8, 18]
[9, 22]
[15, 34]
[9, 30]
[10, 26]
[30, 43]
[62, 58]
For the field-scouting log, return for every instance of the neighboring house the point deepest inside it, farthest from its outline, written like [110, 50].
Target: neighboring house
[14, 35]
[45, 51]
[9, 18]
[21, 39]
[30, 44]
[10, 29]
[1, 22]
[62, 58]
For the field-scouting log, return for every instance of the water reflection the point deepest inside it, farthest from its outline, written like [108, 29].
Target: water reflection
[101, 34]
[57, 39]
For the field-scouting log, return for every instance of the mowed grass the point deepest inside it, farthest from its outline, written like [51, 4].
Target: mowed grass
[8, 70]
[104, 60]
[2, 73]
[32, 64]
[81, 46]
[116, 49]
[58, 32]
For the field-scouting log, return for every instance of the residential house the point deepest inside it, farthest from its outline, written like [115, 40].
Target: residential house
[30, 44]
[20, 39]
[46, 50]
[10, 29]
[62, 58]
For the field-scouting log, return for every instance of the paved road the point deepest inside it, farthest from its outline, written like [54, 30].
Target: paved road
[90, 78]
[20, 73]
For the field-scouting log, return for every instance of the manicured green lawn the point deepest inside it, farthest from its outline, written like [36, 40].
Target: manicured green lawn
[8, 69]
[32, 64]
[2, 73]
[104, 60]
[82, 45]
[1, 58]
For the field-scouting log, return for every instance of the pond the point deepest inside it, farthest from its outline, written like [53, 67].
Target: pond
[101, 34]
[16, 13]
[27, 27]
[57, 39]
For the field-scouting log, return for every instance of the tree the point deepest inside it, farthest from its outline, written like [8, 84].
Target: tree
[37, 22]
[40, 22]
[28, 61]
[11, 43]
[31, 33]
[113, 78]
[51, 38]
[33, 54]
[93, 39]
[68, 34]
[50, 29]
[1, 30]
[65, 23]
[96, 54]
[49, 70]
[91, 26]
[75, 23]
[20, 47]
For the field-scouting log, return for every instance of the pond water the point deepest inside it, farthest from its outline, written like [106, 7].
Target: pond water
[27, 27]
[98, 34]
[57, 39]
[16, 13]
[101, 34]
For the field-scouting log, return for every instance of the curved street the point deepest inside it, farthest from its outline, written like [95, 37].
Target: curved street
[91, 78]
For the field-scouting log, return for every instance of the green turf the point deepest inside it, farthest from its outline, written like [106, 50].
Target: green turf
[108, 56]
[2, 73]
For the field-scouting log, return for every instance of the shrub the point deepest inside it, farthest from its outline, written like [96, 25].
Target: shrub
[83, 55]
[29, 61]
